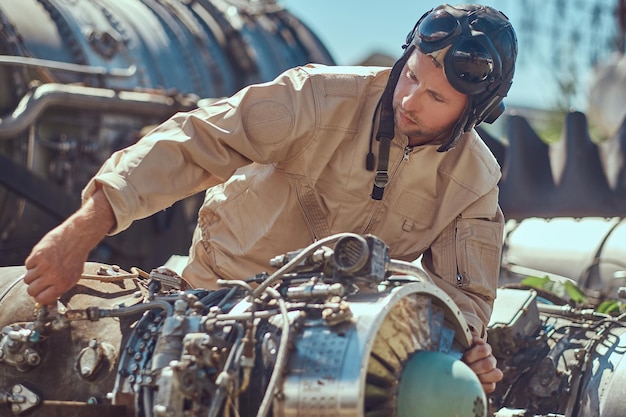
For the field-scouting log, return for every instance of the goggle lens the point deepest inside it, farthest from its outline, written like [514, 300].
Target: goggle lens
[472, 62]
[437, 26]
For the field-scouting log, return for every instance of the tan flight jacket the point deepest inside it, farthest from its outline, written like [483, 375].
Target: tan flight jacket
[284, 165]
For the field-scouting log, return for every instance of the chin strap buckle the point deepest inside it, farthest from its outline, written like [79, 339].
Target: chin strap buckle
[381, 179]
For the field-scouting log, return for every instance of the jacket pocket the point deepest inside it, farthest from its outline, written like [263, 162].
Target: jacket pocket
[478, 251]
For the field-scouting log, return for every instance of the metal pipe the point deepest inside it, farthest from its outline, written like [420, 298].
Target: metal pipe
[22, 61]
[297, 259]
[281, 356]
[36, 101]
[403, 267]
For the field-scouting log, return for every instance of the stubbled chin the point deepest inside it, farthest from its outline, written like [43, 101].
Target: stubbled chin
[412, 130]
[416, 140]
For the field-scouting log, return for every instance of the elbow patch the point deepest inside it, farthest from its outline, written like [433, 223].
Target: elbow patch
[268, 122]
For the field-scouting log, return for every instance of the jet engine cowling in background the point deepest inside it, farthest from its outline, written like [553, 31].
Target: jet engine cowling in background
[81, 79]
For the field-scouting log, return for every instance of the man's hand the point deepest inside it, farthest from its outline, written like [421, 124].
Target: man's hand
[56, 263]
[481, 360]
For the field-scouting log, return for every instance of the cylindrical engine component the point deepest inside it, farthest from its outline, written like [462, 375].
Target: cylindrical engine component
[81, 79]
[353, 368]
[207, 48]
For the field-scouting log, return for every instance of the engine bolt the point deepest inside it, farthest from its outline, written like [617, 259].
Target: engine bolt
[33, 358]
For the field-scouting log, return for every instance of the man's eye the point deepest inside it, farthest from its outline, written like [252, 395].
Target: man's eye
[438, 99]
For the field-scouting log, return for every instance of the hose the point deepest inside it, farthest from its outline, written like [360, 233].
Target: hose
[281, 356]
[298, 258]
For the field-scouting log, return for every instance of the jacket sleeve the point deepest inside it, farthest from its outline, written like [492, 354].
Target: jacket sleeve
[192, 151]
[464, 260]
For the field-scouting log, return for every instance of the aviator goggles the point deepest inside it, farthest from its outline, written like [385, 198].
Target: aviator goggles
[471, 63]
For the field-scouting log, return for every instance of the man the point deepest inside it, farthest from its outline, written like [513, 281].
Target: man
[322, 150]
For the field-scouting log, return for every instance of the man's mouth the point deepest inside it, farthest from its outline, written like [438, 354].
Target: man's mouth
[404, 116]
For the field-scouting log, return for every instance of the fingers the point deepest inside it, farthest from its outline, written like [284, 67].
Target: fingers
[31, 264]
[48, 296]
[486, 369]
[488, 387]
[34, 278]
[46, 285]
[46, 292]
[489, 379]
[479, 350]
[43, 290]
[481, 360]
[46, 280]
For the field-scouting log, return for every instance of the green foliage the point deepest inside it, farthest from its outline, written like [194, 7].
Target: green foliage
[612, 307]
[552, 129]
[568, 290]
[563, 289]
[548, 125]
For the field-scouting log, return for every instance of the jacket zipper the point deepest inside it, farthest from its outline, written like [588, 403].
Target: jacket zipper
[405, 157]
[407, 151]
[460, 280]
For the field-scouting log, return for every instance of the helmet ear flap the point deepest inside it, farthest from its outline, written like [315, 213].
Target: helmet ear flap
[489, 109]
[494, 113]
[469, 119]
[460, 127]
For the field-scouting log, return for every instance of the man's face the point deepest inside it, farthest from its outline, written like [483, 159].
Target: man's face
[425, 105]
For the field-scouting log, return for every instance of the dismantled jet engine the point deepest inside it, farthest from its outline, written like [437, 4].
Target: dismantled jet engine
[561, 344]
[342, 331]
[558, 360]
[81, 79]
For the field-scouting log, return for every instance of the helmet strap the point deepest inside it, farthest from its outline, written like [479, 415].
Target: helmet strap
[382, 174]
[459, 128]
[386, 128]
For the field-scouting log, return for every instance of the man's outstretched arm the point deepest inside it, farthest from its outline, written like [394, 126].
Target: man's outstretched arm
[56, 263]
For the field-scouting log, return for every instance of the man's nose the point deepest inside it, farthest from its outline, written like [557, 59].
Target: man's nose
[413, 101]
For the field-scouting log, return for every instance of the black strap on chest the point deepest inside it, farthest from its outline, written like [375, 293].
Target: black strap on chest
[382, 173]
[385, 131]
[384, 136]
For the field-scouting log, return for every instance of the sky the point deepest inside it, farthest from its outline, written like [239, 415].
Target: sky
[354, 29]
